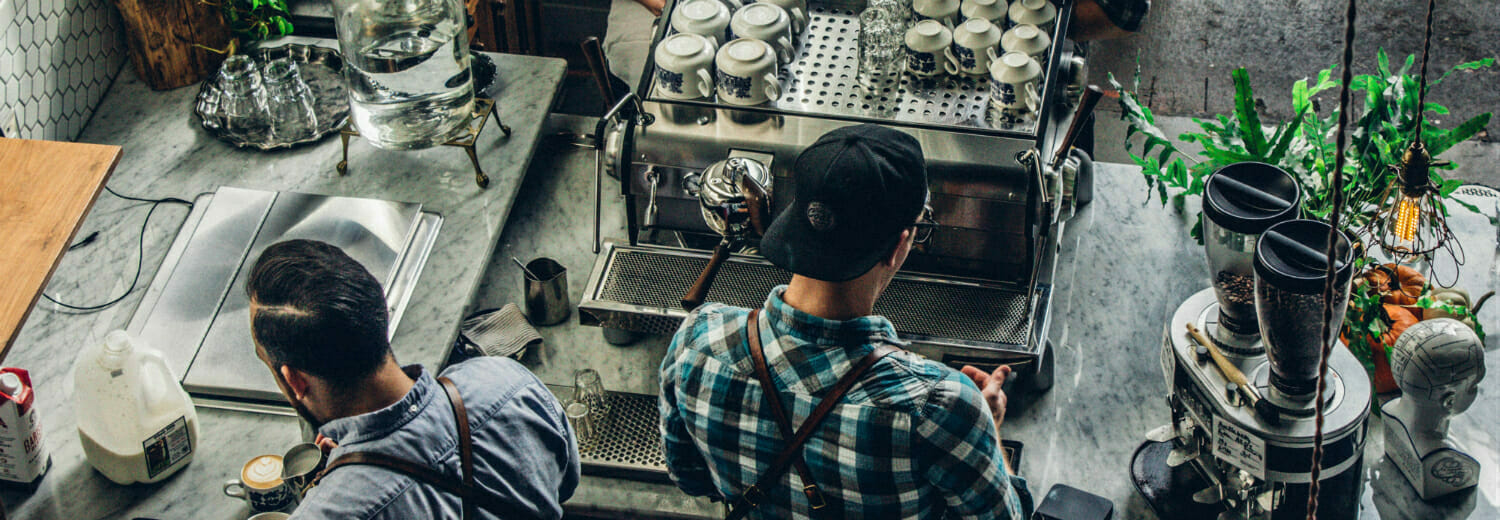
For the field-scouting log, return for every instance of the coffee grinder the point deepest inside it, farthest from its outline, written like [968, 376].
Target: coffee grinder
[1241, 438]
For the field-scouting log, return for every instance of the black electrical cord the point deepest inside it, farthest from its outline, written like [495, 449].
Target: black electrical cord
[140, 247]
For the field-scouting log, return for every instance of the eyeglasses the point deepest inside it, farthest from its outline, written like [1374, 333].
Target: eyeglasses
[925, 224]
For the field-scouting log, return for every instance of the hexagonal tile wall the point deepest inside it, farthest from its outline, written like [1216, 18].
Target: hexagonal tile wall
[57, 60]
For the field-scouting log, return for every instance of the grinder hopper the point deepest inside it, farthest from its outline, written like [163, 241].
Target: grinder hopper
[1290, 271]
[1240, 201]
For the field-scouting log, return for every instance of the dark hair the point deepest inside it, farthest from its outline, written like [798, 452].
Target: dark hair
[317, 310]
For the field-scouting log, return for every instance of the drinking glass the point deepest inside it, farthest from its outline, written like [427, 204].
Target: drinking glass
[290, 102]
[242, 97]
[588, 389]
[901, 9]
[583, 424]
[881, 47]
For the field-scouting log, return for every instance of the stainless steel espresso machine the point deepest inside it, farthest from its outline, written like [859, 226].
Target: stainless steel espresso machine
[1242, 396]
[978, 293]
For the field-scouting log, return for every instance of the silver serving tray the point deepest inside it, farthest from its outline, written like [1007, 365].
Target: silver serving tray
[321, 69]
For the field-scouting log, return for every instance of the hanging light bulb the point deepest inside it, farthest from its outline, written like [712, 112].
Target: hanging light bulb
[1410, 223]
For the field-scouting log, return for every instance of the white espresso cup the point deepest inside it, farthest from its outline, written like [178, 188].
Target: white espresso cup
[260, 485]
[765, 22]
[1015, 80]
[1040, 13]
[927, 52]
[684, 67]
[797, 9]
[747, 72]
[974, 43]
[992, 10]
[944, 11]
[1027, 39]
[708, 18]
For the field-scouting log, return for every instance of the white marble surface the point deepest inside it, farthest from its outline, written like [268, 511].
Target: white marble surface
[167, 154]
[1134, 266]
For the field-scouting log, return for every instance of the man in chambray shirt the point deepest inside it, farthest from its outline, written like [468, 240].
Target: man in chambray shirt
[319, 323]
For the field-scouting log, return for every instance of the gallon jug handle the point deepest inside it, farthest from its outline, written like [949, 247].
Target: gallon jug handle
[150, 388]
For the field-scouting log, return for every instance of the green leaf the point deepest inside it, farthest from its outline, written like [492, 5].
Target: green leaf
[1244, 111]
[1448, 186]
[1382, 63]
[1439, 142]
[1285, 139]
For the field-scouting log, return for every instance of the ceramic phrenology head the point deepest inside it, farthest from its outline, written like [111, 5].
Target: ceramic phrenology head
[1439, 362]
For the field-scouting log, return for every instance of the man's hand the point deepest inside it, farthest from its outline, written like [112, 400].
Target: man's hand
[989, 385]
[655, 6]
[324, 443]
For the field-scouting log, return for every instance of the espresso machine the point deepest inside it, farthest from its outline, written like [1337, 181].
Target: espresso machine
[1243, 400]
[1002, 189]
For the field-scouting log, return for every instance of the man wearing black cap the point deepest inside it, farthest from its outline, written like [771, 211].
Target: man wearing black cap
[854, 427]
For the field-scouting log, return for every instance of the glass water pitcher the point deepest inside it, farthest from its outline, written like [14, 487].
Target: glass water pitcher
[406, 63]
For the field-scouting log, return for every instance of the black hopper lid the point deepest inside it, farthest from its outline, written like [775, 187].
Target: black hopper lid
[1291, 256]
[1249, 197]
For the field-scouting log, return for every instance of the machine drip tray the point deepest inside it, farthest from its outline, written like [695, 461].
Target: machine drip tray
[639, 289]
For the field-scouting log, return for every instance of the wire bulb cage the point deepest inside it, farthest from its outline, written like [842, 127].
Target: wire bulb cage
[1410, 223]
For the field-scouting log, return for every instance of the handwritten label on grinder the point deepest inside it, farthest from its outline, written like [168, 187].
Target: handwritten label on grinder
[1238, 447]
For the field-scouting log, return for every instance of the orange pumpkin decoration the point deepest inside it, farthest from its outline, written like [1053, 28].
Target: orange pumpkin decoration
[1400, 318]
[1397, 284]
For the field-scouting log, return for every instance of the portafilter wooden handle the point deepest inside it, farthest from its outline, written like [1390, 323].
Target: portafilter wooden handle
[1086, 106]
[699, 291]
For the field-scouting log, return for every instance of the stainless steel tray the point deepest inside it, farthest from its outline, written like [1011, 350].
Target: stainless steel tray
[822, 82]
[321, 69]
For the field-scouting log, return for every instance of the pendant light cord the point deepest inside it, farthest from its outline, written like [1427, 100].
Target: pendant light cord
[1422, 86]
[1331, 277]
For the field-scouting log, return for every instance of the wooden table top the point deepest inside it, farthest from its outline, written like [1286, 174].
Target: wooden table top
[46, 188]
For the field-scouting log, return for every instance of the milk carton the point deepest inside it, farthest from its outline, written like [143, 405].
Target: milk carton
[23, 458]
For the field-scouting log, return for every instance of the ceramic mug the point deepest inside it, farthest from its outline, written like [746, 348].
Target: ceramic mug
[1026, 39]
[261, 485]
[684, 65]
[973, 48]
[1014, 82]
[768, 23]
[798, 11]
[707, 18]
[944, 11]
[747, 72]
[927, 52]
[991, 10]
[1040, 13]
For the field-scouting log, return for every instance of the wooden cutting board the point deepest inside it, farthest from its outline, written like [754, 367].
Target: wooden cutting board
[46, 188]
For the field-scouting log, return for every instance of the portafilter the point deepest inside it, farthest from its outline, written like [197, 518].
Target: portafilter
[735, 198]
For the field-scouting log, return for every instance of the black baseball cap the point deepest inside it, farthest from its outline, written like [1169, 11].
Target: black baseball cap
[855, 189]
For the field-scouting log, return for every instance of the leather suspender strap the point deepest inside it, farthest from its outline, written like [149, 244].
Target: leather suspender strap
[778, 411]
[465, 489]
[465, 443]
[793, 451]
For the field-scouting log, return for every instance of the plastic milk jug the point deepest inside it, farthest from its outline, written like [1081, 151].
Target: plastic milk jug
[135, 421]
[23, 458]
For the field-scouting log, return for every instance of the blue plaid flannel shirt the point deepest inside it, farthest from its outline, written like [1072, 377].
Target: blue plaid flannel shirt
[912, 439]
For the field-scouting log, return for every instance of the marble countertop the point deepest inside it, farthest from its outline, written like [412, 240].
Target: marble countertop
[168, 154]
[1133, 267]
